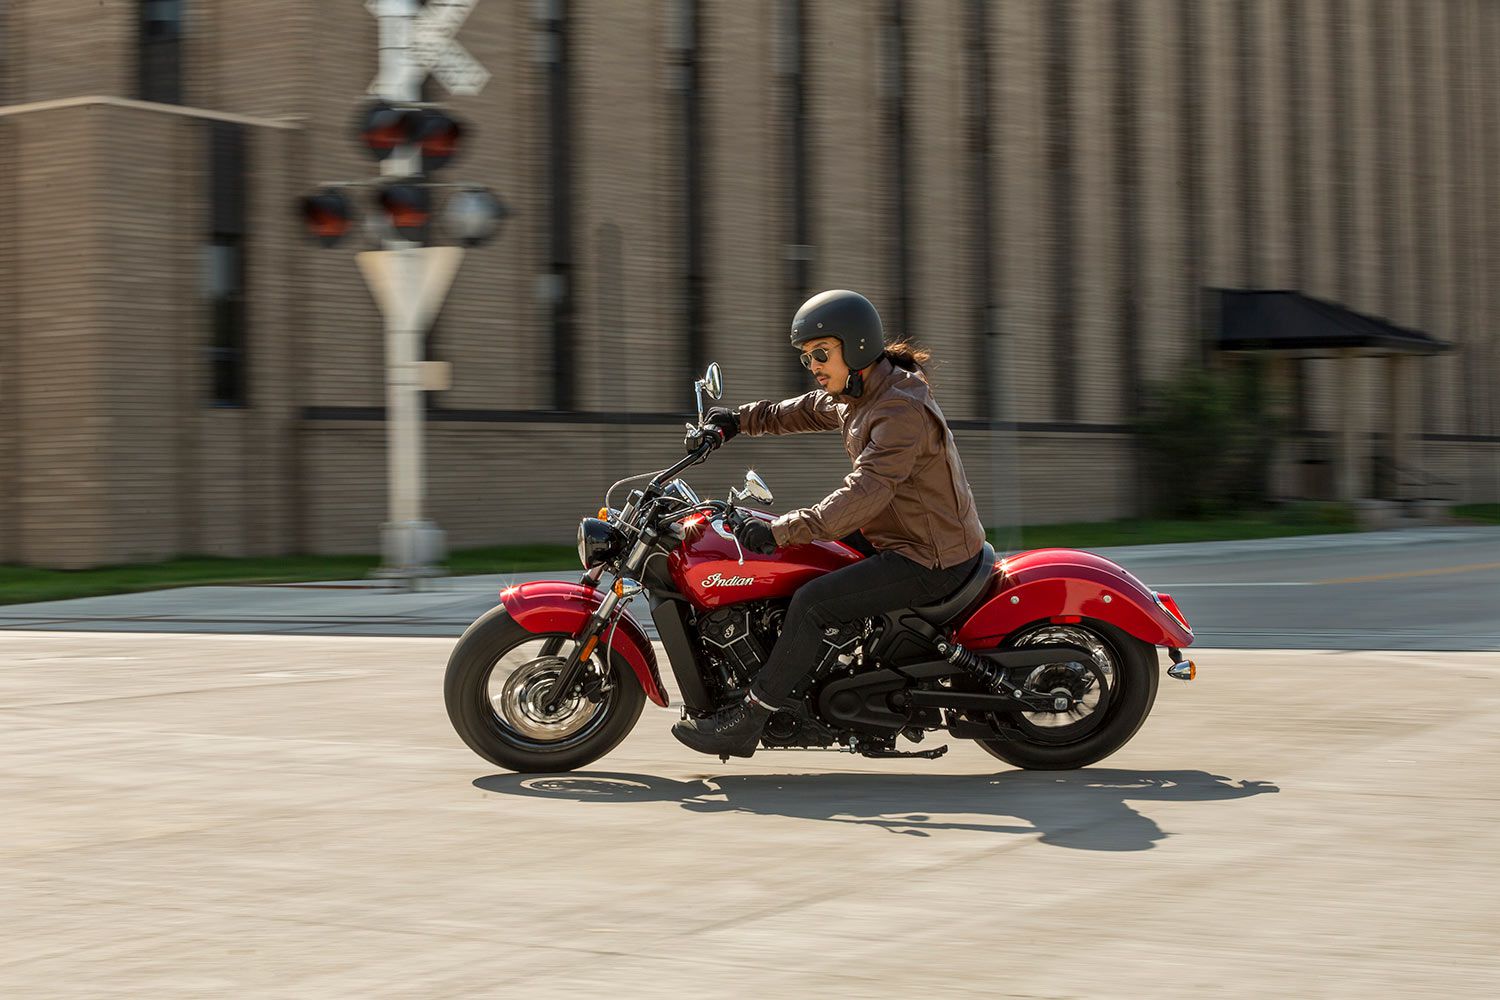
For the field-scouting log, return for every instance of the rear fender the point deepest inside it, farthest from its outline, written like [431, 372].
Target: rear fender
[1049, 584]
[558, 606]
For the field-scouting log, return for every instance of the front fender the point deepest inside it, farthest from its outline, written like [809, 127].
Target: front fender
[557, 606]
[1045, 584]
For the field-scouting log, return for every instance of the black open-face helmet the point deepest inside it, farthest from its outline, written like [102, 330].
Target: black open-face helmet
[847, 315]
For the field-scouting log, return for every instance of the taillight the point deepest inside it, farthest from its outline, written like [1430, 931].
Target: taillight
[1170, 607]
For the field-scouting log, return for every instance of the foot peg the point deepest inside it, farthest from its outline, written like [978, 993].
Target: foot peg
[932, 754]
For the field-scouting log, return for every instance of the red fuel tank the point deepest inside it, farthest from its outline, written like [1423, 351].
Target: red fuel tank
[706, 566]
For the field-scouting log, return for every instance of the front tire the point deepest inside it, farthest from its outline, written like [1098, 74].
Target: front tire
[495, 687]
[1135, 674]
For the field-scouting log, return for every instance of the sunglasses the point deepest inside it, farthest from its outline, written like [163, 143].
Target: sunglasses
[818, 354]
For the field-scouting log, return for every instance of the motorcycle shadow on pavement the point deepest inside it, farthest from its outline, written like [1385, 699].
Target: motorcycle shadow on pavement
[1087, 810]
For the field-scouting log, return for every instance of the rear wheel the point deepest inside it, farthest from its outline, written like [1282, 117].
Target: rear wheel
[1114, 696]
[500, 678]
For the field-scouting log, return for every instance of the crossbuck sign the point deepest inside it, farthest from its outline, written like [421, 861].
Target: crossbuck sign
[433, 50]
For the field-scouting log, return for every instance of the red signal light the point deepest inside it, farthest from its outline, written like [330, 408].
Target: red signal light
[384, 128]
[409, 209]
[327, 216]
[439, 137]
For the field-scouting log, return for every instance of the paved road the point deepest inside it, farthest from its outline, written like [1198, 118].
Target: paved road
[1433, 589]
[247, 816]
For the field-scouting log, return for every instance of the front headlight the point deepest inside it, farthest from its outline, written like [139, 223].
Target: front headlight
[598, 542]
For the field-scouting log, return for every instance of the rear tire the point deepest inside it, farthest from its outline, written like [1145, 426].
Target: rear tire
[1131, 697]
[496, 716]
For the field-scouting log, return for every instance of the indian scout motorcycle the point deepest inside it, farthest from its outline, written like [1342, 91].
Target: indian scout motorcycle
[1047, 659]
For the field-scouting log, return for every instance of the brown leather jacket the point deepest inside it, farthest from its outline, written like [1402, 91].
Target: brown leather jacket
[907, 493]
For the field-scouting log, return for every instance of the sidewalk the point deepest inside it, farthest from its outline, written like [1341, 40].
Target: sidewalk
[1261, 548]
[445, 606]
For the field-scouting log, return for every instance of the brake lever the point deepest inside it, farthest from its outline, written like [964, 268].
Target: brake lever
[731, 522]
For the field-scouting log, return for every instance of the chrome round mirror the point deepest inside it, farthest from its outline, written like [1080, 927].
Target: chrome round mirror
[756, 488]
[713, 381]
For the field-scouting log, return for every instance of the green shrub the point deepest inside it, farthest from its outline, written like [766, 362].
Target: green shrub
[1489, 512]
[1207, 438]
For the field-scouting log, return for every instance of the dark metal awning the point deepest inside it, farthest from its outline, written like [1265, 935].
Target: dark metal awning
[1291, 321]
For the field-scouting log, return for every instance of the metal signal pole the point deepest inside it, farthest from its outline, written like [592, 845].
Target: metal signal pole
[411, 547]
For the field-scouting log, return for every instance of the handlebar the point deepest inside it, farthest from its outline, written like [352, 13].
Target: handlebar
[691, 459]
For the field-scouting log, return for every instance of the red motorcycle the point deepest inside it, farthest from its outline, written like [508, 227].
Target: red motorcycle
[1047, 658]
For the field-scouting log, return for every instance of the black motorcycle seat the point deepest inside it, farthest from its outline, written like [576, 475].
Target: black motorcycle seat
[958, 602]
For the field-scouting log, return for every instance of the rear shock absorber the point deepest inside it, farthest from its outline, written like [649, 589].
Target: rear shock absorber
[991, 673]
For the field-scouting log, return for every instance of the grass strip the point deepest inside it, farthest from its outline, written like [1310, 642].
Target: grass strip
[1489, 513]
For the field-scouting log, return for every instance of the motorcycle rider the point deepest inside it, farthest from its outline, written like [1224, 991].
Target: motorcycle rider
[907, 498]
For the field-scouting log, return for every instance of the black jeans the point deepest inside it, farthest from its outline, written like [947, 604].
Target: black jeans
[873, 586]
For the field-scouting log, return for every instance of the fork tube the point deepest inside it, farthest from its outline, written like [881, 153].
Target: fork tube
[587, 639]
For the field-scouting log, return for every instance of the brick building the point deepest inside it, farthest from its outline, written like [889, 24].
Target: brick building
[1046, 192]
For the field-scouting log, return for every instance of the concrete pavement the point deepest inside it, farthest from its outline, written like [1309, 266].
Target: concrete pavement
[276, 816]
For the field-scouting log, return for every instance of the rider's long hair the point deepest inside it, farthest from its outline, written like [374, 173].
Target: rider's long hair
[905, 354]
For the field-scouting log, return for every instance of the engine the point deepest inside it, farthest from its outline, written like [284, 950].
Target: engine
[737, 639]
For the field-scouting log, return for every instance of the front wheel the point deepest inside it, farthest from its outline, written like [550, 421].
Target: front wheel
[1047, 742]
[499, 681]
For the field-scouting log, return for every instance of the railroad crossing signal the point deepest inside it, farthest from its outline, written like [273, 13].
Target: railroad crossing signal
[408, 276]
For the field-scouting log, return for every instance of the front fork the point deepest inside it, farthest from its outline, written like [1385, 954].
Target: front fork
[588, 639]
[590, 580]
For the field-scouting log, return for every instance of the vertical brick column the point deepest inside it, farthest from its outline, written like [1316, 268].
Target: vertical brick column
[940, 193]
[1095, 374]
[1167, 328]
[59, 402]
[746, 164]
[852, 206]
[1025, 236]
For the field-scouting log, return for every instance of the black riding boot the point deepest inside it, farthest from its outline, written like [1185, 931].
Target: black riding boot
[733, 732]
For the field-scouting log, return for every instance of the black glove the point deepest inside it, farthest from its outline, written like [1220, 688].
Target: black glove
[719, 424]
[756, 536]
[725, 420]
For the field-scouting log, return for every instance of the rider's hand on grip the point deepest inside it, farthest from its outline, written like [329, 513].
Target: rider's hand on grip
[755, 534]
[724, 420]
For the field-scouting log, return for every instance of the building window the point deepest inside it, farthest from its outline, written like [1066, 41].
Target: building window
[160, 76]
[225, 266]
[557, 287]
[794, 67]
[689, 65]
[894, 85]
